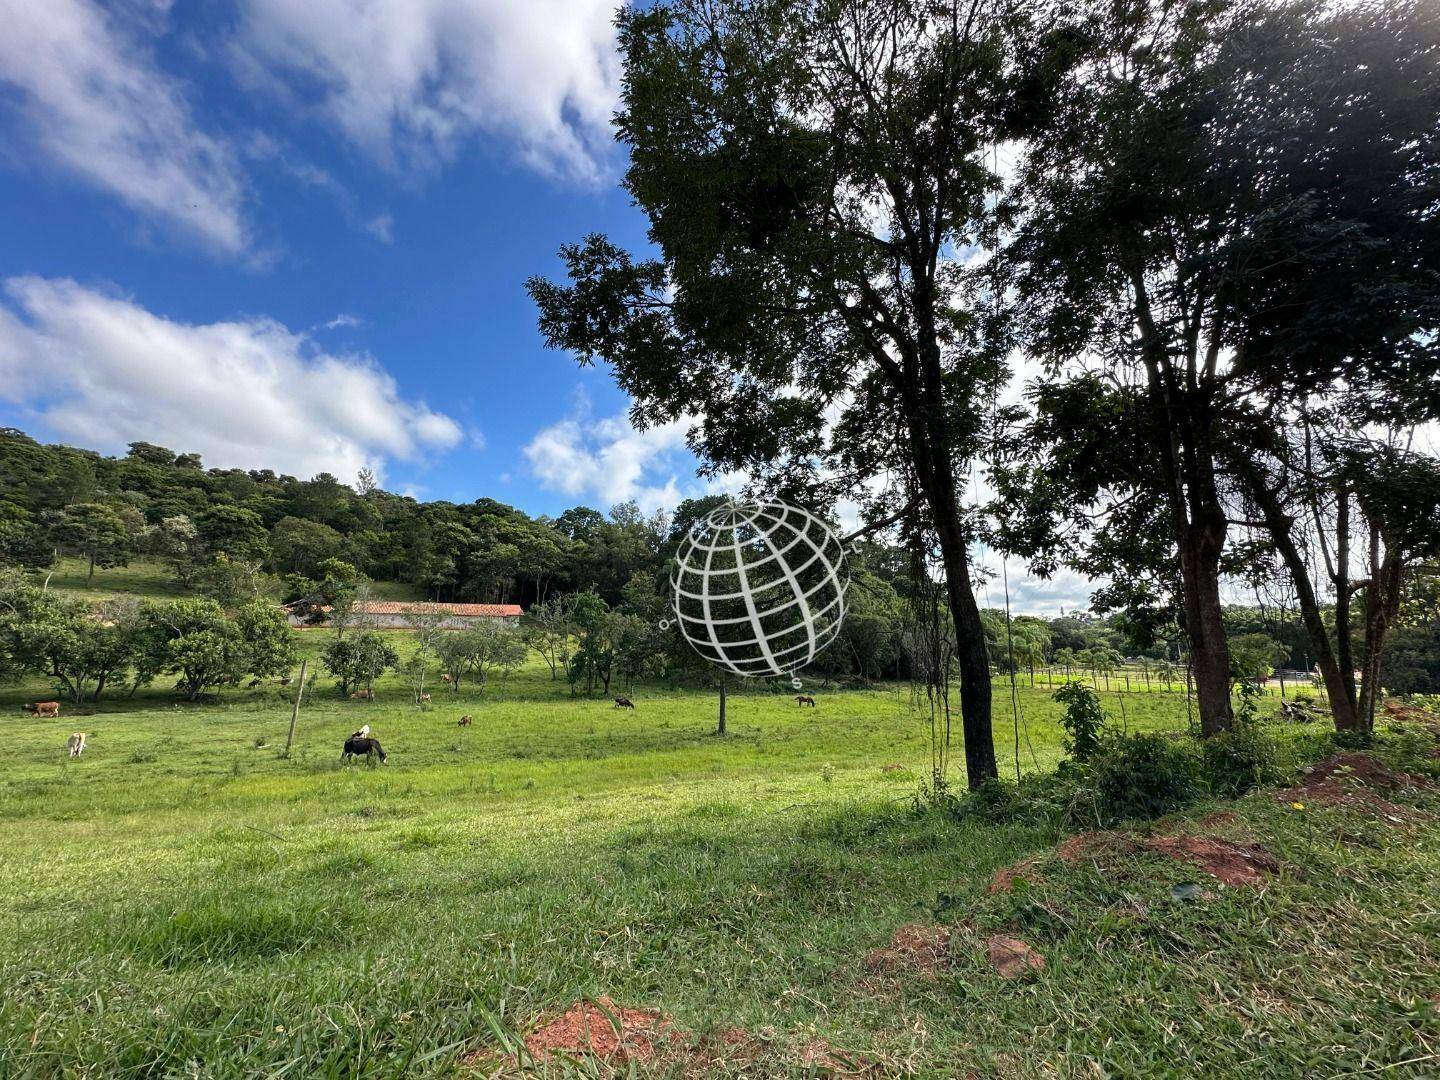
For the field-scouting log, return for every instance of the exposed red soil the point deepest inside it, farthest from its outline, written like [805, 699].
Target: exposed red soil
[1024, 870]
[1074, 848]
[914, 948]
[1227, 862]
[1353, 779]
[605, 1030]
[1011, 957]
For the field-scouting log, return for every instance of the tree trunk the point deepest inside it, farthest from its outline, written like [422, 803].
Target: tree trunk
[1339, 688]
[1205, 627]
[937, 478]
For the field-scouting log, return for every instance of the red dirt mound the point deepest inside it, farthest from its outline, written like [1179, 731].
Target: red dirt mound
[1005, 878]
[607, 1031]
[1354, 780]
[1011, 957]
[1074, 848]
[1230, 863]
[914, 947]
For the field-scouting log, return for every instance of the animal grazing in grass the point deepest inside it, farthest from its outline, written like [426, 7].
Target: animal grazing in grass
[286, 681]
[422, 697]
[43, 708]
[804, 699]
[362, 733]
[465, 721]
[624, 703]
[446, 679]
[362, 746]
[253, 683]
[76, 743]
[363, 695]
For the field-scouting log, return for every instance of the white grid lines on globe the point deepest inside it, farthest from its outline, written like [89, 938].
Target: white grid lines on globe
[768, 522]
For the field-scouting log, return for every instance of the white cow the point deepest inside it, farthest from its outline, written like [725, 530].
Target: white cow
[76, 743]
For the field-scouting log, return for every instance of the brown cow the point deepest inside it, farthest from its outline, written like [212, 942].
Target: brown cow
[363, 695]
[422, 697]
[43, 708]
[445, 678]
[466, 721]
[804, 699]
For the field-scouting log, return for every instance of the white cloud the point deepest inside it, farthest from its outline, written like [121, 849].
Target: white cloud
[102, 371]
[408, 81]
[97, 106]
[382, 227]
[609, 460]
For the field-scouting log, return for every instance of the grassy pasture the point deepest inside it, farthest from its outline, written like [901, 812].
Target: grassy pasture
[181, 901]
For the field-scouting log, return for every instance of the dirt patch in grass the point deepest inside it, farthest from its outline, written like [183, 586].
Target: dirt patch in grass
[1074, 848]
[914, 948]
[1011, 958]
[1352, 779]
[602, 1029]
[1005, 878]
[1227, 862]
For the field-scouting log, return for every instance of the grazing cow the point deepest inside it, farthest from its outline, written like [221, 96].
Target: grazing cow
[624, 703]
[362, 746]
[446, 679]
[363, 695]
[423, 697]
[804, 699]
[76, 743]
[362, 733]
[465, 721]
[43, 708]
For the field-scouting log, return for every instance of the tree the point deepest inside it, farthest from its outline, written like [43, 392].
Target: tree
[52, 635]
[1253, 656]
[1231, 213]
[358, 660]
[22, 540]
[95, 532]
[812, 174]
[477, 651]
[268, 642]
[548, 629]
[298, 546]
[233, 531]
[175, 541]
[595, 634]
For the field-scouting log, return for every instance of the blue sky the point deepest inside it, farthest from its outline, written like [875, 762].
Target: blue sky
[295, 235]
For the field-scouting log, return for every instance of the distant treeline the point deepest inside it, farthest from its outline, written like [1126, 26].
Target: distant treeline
[236, 535]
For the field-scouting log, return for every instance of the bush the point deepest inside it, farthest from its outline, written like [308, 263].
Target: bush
[1143, 775]
[1233, 762]
[1084, 720]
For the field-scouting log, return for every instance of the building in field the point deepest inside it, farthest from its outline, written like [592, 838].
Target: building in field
[408, 615]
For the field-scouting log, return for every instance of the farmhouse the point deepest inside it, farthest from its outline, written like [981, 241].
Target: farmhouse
[401, 615]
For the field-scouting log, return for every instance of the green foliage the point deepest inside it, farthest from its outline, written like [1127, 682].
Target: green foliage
[480, 651]
[1084, 720]
[1233, 762]
[1143, 775]
[358, 660]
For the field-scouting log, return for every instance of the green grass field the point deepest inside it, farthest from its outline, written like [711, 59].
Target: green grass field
[182, 901]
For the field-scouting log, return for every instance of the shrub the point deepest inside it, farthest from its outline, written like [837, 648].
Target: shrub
[1143, 775]
[1233, 762]
[1084, 720]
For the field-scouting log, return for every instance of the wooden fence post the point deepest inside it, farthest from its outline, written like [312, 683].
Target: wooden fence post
[295, 709]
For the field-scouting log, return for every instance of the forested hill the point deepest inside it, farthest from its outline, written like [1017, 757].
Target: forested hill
[157, 504]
